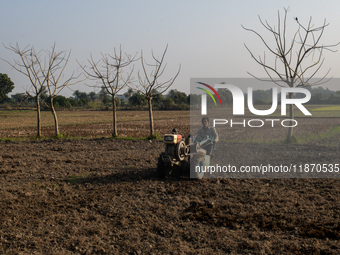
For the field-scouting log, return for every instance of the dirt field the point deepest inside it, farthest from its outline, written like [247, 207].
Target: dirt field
[103, 196]
[91, 123]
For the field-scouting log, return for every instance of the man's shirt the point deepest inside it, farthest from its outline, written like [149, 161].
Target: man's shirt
[210, 131]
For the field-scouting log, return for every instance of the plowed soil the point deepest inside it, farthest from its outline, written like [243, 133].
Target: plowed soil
[103, 196]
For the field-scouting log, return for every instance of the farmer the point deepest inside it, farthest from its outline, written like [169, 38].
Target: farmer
[206, 131]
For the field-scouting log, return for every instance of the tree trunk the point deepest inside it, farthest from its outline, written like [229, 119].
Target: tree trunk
[56, 126]
[38, 116]
[291, 116]
[114, 133]
[150, 117]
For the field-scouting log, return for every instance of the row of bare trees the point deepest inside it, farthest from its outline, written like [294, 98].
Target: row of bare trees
[45, 69]
[111, 71]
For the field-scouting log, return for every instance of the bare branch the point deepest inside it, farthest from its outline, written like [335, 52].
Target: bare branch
[110, 71]
[150, 84]
[261, 39]
[309, 43]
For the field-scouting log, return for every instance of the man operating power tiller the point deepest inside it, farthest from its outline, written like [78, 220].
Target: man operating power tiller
[206, 131]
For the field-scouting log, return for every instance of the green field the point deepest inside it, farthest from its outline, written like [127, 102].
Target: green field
[328, 108]
[322, 110]
[318, 111]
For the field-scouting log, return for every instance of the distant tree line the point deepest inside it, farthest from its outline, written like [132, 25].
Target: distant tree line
[131, 100]
[173, 100]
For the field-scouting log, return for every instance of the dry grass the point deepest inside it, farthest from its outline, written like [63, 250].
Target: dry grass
[92, 123]
[27, 119]
[136, 124]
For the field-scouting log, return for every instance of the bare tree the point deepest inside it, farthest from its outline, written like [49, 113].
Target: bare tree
[45, 70]
[109, 70]
[55, 81]
[296, 61]
[30, 66]
[150, 85]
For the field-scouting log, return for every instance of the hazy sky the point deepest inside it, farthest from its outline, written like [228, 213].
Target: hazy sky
[205, 37]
